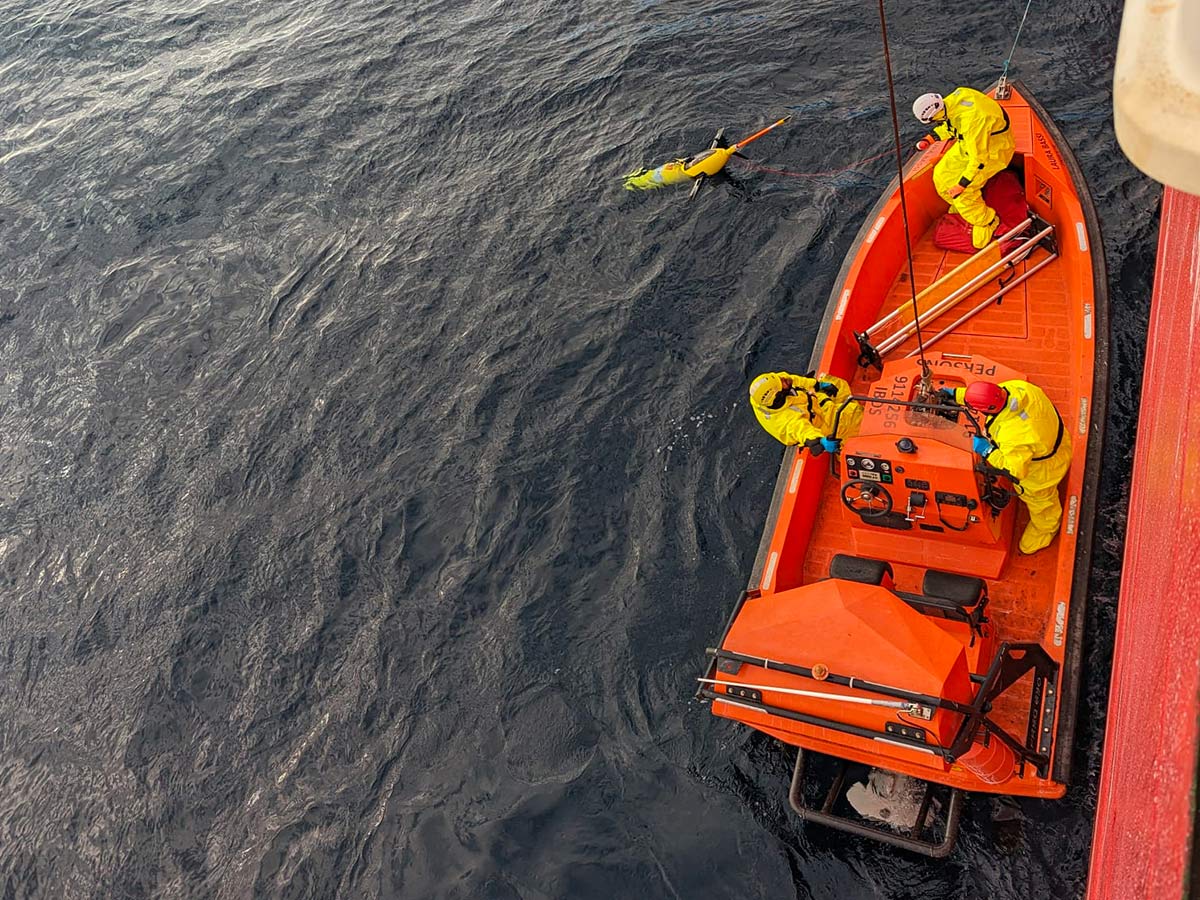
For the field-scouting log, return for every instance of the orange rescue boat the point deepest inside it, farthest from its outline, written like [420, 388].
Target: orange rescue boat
[890, 623]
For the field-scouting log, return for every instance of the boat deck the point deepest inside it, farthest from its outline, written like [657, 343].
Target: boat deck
[1028, 330]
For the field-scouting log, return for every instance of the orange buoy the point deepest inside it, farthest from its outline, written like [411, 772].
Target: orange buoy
[992, 763]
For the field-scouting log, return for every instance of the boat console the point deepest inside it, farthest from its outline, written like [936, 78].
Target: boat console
[911, 486]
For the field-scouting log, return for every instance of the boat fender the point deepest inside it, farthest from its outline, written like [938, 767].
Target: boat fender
[992, 763]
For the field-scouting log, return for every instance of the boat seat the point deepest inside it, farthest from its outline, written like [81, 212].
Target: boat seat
[964, 591]
[858, 568]
[960, 597]
[943, 594]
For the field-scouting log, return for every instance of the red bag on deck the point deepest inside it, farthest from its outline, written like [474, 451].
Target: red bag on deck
[1004, 194]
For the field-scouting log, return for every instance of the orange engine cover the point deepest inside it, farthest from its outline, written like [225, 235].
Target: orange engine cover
[852, 629]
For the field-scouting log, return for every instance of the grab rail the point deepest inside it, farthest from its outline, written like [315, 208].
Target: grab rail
[1012, 661]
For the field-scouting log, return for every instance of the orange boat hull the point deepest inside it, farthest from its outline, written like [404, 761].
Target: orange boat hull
[1050, 329]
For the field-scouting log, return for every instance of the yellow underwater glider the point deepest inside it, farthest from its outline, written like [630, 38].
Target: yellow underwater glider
[696, 168]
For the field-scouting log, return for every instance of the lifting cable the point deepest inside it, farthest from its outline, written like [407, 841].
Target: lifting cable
[926, 377]
[1002, 85]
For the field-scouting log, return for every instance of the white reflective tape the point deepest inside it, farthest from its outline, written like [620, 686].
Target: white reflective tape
[1072, 513]
[797, 468]
[905, 746]
[842, 304]
[770, 572]
[875, 229]
[1083, 414]
[724, 698]
[1087, 321]
[1082, 235]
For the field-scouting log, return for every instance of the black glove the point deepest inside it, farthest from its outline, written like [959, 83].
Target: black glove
[828, 388]
[815, 447]
[946, 396]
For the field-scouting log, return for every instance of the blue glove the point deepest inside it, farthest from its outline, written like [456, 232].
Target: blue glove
[946, 396]
[826, 387]
[981, 445]
[831, 445]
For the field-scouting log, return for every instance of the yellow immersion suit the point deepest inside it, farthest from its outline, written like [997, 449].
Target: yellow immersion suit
[983, 146]
[1034, 447]
[810, 413]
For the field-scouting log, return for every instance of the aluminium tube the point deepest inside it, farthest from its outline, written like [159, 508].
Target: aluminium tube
[962, 265]
[986, 303]
[815, 695]
[893, 341]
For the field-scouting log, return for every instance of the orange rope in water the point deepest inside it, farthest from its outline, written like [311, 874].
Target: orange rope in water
[855, 165]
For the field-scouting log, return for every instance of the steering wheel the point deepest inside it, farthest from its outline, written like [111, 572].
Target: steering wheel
[867, 498]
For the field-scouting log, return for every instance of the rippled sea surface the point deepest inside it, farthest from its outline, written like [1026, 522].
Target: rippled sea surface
[374, 470]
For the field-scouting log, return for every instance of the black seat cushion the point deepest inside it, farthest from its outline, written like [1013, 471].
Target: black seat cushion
[963, 590]
[856, 568]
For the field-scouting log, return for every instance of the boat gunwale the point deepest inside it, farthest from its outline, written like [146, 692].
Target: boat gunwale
[1085, 537]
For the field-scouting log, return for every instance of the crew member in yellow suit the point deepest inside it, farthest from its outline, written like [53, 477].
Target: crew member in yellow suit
[1026, 438]
[797, 409]
[983, 146]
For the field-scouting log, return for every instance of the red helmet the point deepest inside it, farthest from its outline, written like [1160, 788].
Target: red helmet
[986, 397]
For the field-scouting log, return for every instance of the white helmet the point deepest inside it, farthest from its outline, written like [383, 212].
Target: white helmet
[927, 106]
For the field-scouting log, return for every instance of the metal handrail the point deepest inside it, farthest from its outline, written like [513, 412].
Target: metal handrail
[1011, 661]
[853, 682]
[911, 404]
[759, 706]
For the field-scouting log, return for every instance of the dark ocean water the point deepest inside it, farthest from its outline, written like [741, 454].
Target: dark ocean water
[374, 470]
